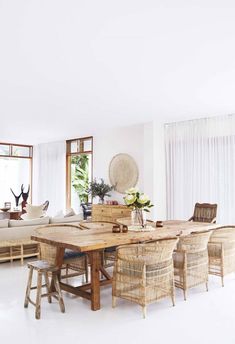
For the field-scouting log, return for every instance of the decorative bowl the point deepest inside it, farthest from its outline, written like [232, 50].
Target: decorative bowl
[5, 209]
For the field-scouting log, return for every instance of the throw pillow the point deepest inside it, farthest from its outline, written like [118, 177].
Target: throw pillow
[34, 211]
[70, 212]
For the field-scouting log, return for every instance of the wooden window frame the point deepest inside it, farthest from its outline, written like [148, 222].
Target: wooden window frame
[68, 163]
[30, 157]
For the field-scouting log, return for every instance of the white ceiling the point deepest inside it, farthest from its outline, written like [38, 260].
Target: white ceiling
[70, 67]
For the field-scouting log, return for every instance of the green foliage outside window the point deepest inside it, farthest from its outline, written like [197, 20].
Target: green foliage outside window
[80, 175]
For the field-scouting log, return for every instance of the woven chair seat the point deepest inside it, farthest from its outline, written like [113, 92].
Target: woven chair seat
[70, 254]
[110, 249]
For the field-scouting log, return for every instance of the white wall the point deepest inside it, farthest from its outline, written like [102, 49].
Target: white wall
[128, 140]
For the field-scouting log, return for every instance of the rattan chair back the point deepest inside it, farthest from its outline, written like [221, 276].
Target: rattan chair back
[194, 242]
[48, 252]
[204, 212]
[144, 273]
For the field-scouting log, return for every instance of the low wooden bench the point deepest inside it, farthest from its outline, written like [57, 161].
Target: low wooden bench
[18, 249]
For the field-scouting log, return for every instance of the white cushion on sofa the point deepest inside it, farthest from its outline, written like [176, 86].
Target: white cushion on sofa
[4, 223]
[70, 212]
[34, 211]
[34, 222]
[75, 218]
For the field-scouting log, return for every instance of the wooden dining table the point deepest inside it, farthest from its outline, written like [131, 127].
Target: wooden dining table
[94, 241]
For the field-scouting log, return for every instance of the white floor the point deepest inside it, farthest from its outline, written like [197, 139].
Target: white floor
[204, 318]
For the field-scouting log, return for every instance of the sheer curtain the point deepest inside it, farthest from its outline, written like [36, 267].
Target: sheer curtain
[200, 164]
[49, 175]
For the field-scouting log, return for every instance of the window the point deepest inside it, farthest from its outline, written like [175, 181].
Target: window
[15, 170]
[78, 171]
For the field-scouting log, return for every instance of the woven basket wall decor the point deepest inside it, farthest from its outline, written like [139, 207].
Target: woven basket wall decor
[123, 172]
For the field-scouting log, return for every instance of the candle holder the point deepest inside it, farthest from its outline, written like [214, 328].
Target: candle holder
[116, 229]
[124, 229]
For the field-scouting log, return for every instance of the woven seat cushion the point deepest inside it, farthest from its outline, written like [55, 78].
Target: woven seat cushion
[110, 249]
[68, 254]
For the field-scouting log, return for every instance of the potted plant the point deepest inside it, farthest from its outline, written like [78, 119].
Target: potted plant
[140, 203]
[100, 189]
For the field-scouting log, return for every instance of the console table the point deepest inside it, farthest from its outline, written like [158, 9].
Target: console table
[10, 215]
[107, 212]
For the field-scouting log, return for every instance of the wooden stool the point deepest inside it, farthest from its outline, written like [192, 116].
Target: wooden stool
[43, 268]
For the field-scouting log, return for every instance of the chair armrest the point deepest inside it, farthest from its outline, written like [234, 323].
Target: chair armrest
[213, 220]
[191, 218]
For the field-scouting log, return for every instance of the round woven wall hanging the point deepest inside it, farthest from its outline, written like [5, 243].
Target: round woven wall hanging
[123, 172]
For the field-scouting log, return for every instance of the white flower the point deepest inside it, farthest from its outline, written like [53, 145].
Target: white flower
[143, 199]
[132, 191]
[130, 199]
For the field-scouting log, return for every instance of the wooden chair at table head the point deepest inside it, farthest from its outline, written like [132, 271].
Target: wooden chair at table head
[204, 212]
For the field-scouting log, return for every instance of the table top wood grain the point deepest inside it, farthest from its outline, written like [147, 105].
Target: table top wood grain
[85, 240]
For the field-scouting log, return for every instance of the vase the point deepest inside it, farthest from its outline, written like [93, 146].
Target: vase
[138, 217]
[101, 200]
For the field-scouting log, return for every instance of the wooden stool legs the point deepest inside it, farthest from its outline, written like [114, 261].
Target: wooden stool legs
[28, 289]
[55, 282]
[47, 286]
[38, 297]
[58, 290]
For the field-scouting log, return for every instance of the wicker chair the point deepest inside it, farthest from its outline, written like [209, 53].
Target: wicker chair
[221, 251]
[191, 261]
[109, 254]
[204, 212]
[144, 273]
[75, 261]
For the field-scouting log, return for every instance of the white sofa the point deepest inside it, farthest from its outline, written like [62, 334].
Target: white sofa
[23, 229]
[15, 236]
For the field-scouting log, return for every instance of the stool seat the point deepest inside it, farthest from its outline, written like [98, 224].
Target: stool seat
[43, 268]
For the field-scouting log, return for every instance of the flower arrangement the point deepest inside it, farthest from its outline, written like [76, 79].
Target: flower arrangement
[140, 203]
[100, 189]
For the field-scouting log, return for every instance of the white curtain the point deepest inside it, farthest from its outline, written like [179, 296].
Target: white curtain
[49, 175]
[200, 163]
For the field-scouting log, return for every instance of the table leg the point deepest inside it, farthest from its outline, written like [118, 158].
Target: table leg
[95, 262]
[58, 263]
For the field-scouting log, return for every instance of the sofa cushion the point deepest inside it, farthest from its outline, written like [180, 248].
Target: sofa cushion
[4, 223]
[75, 218]
[35, 222]
[59, 214]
